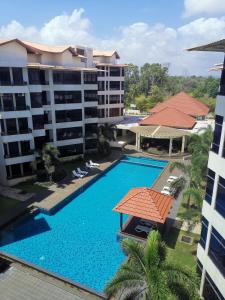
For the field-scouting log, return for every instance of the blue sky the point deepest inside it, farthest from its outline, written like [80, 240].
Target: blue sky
[141, 30]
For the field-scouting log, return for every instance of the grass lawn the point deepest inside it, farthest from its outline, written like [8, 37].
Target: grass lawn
[7, 204]
[32, 186]
[179, 251]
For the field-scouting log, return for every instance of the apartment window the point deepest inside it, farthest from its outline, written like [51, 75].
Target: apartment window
[91, 130]
[114, 99]
[25, 147]
[80, 51]
[122, 98]
[217, 133]
[220, 197]
[222, 83]
[47, 117]
[36, 100]
[5, 76]
[20, 102]
[38, 121]
[114, 112]
[66, 77]
[122, 85]
[91, 112]
[114, 85]
[90, 77]
[101, 113]
[217, 250]
[122, 73]
[27, 169]
[23, 125]
[90, 96]
[204, 232]
[91, 144]
[69, 133]
[7, 100]
[101, 85]
[70, 150]
[36, 76]
[114, 71]
[209, 186]
[39, 142]
[62, 97]
[68, 115]
[13, 149]
[17, 76]
[210, 290]
[16, 171]
[101, 71]
[101, 99]
[11, 127]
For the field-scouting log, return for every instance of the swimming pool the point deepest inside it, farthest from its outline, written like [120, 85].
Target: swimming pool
[79, 241]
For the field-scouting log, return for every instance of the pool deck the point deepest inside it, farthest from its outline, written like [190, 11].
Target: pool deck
[58, 192]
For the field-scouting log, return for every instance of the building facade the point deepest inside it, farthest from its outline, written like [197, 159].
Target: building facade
[53, 95]
[211, 248]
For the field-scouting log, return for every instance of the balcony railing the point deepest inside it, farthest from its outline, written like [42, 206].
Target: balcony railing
[18, 154]
[14, 132]
[9, 83]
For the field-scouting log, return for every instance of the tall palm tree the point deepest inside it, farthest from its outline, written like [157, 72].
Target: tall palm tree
[149, 275]
[106, 133]
[193, 181]
[50, 157]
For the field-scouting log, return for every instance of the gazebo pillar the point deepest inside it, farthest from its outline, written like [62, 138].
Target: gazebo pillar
[121, 221]
[170, 146]
[138, 141]
[183, 144]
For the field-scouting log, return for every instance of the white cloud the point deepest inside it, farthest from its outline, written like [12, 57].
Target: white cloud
[137, 43]
[196, 7]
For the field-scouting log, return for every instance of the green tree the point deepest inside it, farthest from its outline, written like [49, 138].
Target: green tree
[148, 274]
[50, 157]
[131, 84]
[179, 184]
[106, 133]
[193, 181]
[143, 103]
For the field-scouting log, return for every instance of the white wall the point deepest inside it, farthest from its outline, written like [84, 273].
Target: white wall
[13, 55]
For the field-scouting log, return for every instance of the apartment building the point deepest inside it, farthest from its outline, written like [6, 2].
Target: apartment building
[53, 95]
[211, 247]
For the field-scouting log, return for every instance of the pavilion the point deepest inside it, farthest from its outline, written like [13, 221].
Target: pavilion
[161, 132]
[146, 206]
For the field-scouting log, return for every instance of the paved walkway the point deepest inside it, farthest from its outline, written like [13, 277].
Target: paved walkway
[14, 193]
[21, 283]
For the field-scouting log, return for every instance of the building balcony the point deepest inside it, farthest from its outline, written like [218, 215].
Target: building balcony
[14, 132]
[19, 154]
[16, 108]
[13, 83]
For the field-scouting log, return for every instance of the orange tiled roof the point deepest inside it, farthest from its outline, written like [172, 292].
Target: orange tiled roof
[170, 117]
[145, 203]
[184, 103]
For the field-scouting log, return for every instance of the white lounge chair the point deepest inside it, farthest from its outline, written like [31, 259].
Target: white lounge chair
[90, 166]
[165, 193]
[75, 174]
[140, 228]
[166, 188]
[94, 164]
[81, 171]
[173, 177]
[171, 180]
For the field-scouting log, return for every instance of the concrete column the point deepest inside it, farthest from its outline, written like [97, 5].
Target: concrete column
[183, 144]
[170, 146]
[138, 139]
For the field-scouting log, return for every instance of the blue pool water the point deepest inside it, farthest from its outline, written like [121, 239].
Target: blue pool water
[79, 241]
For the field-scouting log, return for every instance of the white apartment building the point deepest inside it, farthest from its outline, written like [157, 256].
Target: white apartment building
[53, 94]
[211, 247]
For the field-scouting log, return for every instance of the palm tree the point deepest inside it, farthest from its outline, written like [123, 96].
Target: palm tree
[50, 157]
[106, 133]
[193, 181]
[178, 184]
[148, 274]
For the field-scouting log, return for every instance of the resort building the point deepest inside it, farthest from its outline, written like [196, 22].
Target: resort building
[53, 94]
[211, 248]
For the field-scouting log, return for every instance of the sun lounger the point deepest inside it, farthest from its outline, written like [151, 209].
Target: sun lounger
[94, 164]
[166, 188]
[173, 177]
[81, 171]
[170, 180]
[90, 166]
[140, 228]
[165, 193]
[75, 174]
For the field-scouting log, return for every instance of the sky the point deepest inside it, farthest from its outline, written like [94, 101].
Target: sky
[140, 30]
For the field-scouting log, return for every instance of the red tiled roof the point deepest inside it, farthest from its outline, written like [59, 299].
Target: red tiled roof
[145, 203]
[170, 117]
[184, 103]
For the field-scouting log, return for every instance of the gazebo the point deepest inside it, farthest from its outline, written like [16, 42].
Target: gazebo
[147, 207]
[160, 132]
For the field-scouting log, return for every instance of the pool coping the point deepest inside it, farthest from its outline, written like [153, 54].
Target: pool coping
[54, 209]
